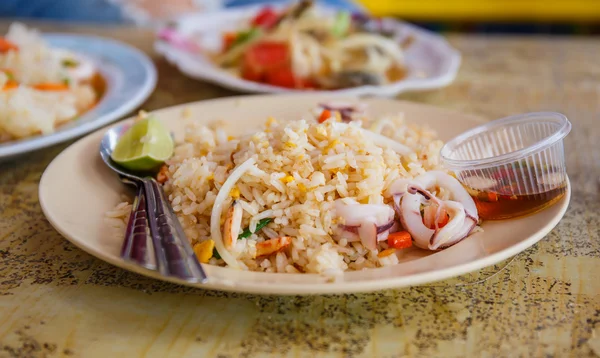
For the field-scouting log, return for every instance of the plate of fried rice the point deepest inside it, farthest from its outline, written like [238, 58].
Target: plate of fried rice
[55, 87]
[300, 194]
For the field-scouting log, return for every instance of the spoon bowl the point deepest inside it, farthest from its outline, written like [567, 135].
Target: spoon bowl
[108, 144]
[152, 213]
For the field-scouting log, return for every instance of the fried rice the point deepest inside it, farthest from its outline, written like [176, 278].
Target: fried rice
[294, 173]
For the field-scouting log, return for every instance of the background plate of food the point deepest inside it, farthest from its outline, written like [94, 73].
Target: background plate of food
[303, 47]
[296, 194]
[55, 87]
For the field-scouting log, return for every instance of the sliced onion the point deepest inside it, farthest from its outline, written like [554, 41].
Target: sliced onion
[370, 222]
[386, 142]
[350, 228]
[380, 228]
[346, 110]
[386, 227]
[215, 216]
[380, 140]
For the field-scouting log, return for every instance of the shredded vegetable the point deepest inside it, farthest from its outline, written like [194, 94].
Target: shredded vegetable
[323, 50]
[261, 224]
[215, 217]
[341, 24]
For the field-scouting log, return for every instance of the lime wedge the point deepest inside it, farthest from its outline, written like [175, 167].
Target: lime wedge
[144, 146]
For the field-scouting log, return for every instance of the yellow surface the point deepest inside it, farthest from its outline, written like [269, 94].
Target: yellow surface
[486, 10]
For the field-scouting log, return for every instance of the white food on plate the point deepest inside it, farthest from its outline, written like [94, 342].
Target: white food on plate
[27, 106]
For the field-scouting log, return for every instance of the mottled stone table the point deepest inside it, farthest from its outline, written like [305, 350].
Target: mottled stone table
[56, 300]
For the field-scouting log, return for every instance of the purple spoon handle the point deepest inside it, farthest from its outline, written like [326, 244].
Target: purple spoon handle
[174, 254]
[136, 247]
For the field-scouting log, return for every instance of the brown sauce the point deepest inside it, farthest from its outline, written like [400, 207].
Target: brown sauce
[494, 206]
[508, 198]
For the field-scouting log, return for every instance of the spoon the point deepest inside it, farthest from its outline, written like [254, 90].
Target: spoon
[173, 253]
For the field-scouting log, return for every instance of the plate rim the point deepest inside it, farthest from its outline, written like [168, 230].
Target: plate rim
[344, 287]
[209, 74]
[35, 143]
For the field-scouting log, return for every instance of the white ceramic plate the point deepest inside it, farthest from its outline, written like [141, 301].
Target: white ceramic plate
[130, 77]
[82, 221]
[431, 61]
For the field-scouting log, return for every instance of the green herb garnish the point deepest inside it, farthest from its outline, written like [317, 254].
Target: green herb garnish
[246, 36]
[341, 24]
[261, 224]
[69, 62]
[9, 75]
[246, 234]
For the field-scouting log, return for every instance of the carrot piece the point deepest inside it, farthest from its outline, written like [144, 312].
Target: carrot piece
[399, 240]
[9, 85]
[6, 45]
[49, 86]
[325, 115]
[228, 39]
[443, 220]
[429, 215]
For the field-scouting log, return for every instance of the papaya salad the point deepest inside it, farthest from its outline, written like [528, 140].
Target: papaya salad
[301, 48]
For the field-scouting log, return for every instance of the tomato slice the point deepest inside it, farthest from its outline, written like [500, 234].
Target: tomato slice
[283, 77]
[266, 18]
[252, 75]
[264, 57]
[270, 62]
[267, 55]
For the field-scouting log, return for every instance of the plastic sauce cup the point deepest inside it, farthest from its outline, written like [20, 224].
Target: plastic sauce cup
[511, 166]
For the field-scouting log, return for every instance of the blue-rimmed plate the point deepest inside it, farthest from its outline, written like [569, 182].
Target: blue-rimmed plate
[130, 78]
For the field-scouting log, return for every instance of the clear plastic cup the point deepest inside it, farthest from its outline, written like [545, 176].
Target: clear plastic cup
[511, 166]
